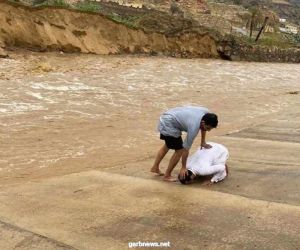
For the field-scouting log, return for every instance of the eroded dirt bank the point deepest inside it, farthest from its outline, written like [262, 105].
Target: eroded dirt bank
[73, 31]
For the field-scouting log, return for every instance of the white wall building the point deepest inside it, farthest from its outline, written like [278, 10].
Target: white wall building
[289, 29]
[134, 4]
[292, 29]
[282, 20]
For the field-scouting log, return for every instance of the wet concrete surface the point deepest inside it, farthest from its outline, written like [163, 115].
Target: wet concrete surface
[97, 210]
[271, 176]
[275, 130]
[78, 137]
[13, 237]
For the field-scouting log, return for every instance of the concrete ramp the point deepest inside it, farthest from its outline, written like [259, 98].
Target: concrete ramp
[97, 210]
[275, 130]
[13, 237]
[259, 169]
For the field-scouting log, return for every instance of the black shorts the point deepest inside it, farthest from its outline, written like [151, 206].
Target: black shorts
[172, 142]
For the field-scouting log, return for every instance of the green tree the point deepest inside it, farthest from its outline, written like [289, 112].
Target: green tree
[256, 19]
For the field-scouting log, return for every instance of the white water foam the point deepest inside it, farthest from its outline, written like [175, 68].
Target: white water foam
[71, 87]
[20, 107]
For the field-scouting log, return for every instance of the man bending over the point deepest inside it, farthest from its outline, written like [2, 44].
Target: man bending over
[171, 124]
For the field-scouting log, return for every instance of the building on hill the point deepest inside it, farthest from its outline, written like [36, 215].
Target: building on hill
[292, 29]
[289, 29]
[194, 6]
[281, 2]
[282, 20]
[269, 29]
[128, 3]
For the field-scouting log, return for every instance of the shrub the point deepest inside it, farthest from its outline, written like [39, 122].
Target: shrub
[297, 38]
[128, 20]
[60, 3]
[89, 6]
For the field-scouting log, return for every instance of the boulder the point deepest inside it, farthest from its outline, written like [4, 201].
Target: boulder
[3, 53]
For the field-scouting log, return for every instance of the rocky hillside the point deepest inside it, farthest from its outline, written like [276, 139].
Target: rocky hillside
[289, 9]
[109, 28]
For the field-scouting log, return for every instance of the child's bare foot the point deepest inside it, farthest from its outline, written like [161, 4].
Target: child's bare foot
[170, 179]
[156, 171]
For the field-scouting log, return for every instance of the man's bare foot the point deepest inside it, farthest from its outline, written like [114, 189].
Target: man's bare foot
[170, 179]
[156, 171]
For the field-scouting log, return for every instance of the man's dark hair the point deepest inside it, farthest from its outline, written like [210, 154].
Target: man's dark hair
[187, 177]
[210, 119]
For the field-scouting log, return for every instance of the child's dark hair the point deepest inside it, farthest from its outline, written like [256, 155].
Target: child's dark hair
[210, 119]
[187, 177]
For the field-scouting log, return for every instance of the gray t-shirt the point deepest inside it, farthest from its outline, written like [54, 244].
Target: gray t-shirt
[186, 118]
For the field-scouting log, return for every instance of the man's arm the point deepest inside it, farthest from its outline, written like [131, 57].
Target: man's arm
[203, 142]
[185, 155]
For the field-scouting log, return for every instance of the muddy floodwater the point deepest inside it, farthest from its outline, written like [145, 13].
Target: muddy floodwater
[70, 113]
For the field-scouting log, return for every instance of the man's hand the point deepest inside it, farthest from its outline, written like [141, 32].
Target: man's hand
[182, 172]
[205, 145]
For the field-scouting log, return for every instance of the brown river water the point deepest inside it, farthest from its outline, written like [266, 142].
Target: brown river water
[65, 113]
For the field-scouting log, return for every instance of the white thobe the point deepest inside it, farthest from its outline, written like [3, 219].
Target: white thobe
[209, 162]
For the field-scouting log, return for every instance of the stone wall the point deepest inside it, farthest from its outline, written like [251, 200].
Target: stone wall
[234, 51]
